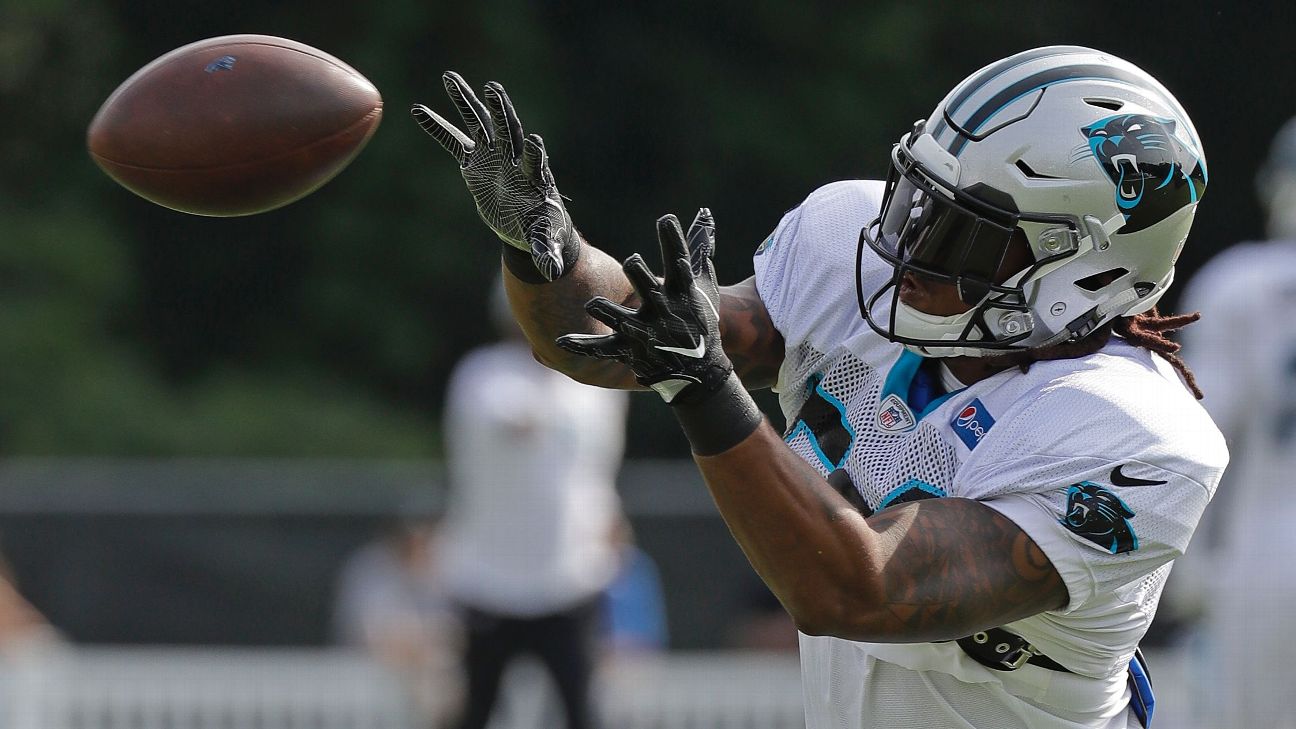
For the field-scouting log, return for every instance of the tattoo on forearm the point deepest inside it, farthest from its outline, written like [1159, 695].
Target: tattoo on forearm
[953, 582]
[753, 344]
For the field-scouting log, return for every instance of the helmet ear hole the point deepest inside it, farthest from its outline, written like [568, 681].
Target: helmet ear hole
[1101, 280]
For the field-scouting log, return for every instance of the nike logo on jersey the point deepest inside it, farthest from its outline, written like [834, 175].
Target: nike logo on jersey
[1120, 479]
[697, 352]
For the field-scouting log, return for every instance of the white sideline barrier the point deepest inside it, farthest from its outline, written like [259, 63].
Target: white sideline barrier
[102, 688]
[704, 690]
[238, 688]
[229, 688]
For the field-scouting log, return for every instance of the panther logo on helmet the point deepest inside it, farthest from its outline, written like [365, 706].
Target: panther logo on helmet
[1148, 165]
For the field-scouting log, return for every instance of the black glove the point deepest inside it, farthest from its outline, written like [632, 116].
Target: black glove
[672, 342]
[509, 179]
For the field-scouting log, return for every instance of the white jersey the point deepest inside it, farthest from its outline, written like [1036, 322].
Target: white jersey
[1243, 352]
[1115, 436]
[533, 458]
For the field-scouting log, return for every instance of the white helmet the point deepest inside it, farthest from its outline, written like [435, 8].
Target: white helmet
[1088, 156]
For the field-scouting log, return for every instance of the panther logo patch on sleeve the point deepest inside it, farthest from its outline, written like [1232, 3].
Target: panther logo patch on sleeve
[1100, 516]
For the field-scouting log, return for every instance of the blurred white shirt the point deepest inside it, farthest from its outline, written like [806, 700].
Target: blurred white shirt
[533, 458]
[1243, 352]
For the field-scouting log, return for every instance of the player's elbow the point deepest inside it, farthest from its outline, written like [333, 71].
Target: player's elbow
[839, 614]
[817, 625]
[837, 621]
[807, 609]
[858, 623]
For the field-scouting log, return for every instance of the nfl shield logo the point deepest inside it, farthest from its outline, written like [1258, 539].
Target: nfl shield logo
[893, 415]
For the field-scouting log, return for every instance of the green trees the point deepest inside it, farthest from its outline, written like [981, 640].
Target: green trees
[328, 327]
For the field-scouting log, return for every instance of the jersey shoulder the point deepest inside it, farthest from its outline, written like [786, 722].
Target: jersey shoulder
[1121, 404]
[806, 268]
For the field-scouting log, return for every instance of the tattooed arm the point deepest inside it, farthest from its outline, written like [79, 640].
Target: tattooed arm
[748, 335]
[937, 569]
[549, 310]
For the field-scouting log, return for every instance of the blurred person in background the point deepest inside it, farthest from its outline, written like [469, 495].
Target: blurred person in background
[634, 610]
[391, 602]
[944, 571]
[531, 527]
[1244, 355]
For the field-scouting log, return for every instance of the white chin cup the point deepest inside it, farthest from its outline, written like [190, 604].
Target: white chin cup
[913, 324]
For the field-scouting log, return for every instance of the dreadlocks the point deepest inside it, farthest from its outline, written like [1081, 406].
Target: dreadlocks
[1147, 330]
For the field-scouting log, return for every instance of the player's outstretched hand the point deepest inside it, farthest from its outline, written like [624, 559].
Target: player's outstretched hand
[506, 173]
[672, 341]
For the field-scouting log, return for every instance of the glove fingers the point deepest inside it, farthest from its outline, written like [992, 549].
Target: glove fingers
[609, 312]
[545, 254]
[446, 134]
[642, 279]
[680, 270]
[470, 108]
[507, 128]
[599, 346]
[673, 248]
[701, 240]
[535, 160]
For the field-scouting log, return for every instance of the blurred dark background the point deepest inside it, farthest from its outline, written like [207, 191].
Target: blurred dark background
[327, 328]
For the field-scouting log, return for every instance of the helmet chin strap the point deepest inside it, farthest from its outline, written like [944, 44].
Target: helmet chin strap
[947, 352]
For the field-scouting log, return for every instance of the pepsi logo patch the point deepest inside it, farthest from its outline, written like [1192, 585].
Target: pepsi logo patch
[972, 423]
[894, 416]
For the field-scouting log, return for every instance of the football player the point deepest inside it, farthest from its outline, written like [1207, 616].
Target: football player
[993, 452]
[1250, 383]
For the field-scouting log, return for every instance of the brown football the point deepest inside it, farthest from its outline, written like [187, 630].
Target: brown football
[234, 125]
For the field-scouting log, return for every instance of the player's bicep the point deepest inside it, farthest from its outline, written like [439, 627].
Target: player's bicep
[750, 340]
[949, 567]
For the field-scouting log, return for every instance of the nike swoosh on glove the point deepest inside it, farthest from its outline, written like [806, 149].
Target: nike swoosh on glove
[672, 341]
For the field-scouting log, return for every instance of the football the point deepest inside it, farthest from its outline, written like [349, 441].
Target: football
[234, 125]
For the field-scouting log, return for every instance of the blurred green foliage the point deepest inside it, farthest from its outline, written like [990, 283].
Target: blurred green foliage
[329, 327]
